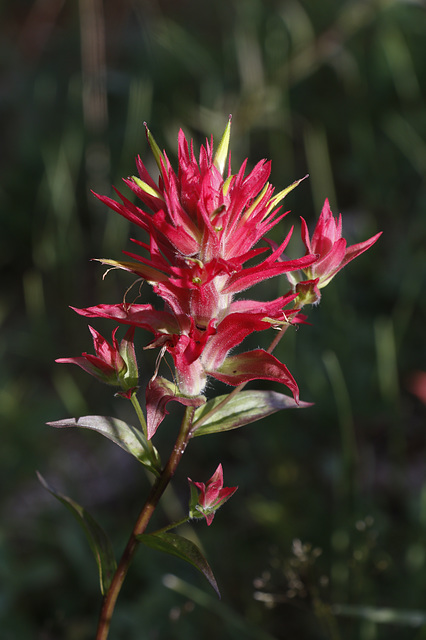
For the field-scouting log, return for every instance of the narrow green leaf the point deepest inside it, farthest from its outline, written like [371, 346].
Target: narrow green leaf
[147, 188]
[127, 437]
[156, 151]
[181, 548]
[243, 408]
[98, 539]
[282, 194]
[221, 154]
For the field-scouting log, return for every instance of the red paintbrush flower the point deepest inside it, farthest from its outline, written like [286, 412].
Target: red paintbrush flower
[203, 231]
[328, 244]
[212, 496]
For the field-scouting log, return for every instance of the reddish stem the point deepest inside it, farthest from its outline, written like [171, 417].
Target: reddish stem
[148, 509]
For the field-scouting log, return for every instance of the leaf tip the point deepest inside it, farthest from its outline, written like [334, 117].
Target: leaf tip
[41, 480]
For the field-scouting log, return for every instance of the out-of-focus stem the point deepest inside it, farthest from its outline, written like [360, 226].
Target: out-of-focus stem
[156, 492]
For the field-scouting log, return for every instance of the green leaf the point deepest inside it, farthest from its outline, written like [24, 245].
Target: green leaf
[98, 539]
[221, 154]
[159, 158]
[147, 188]
[181, 548]
[243, 408]
[127, 437]
[282, 194]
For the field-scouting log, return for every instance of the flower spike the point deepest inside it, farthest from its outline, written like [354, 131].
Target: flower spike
[203, 230]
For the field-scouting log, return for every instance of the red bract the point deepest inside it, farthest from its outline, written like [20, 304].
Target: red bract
[114, 364]
[203, 229]
[328, 244]
[212, 496]
[199, 353]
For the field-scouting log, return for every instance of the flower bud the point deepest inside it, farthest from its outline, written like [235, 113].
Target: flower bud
[212, 496]
[113, 364]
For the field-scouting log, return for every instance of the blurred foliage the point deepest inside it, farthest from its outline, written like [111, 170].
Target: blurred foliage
[328, 526]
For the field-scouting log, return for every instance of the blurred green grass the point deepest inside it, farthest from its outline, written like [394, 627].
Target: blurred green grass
[336, 89]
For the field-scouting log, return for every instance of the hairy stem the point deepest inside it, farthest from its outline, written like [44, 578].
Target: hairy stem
[148, 509]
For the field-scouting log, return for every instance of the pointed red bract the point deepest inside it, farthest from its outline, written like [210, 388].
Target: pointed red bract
[212, 496]
[114, 364]
[255, 365]
[327, 243]
[159, 393]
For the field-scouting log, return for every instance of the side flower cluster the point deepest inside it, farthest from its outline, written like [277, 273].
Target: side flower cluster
[204, 227]
[114, 363]
[207, 498]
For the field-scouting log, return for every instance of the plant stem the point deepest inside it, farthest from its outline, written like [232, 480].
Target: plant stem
[137, 407]
[155, 494]
[277, 338]
[172, 526]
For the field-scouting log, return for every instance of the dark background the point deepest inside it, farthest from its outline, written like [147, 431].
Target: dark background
[333, 89]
